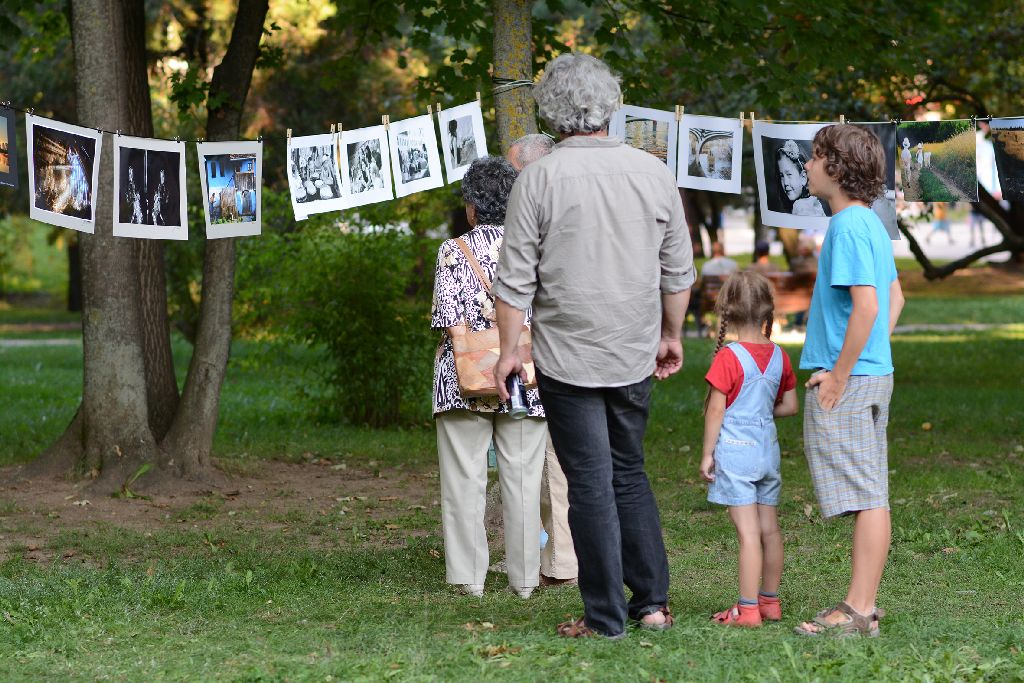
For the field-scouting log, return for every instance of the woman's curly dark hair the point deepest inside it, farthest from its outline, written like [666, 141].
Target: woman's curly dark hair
[854, 158]
[486, 186]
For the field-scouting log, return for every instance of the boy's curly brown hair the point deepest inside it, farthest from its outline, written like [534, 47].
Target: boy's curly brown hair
[854, 158]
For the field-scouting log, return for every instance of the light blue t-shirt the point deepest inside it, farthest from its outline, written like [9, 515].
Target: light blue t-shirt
[857, 251]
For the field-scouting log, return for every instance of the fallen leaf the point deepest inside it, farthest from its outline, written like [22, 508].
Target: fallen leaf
[433, 553]
[950, 550]
[81, 503]
[646, 643]
[808, 510]
[33, 546]
[391, 527]
[69, 553]
[926, 426]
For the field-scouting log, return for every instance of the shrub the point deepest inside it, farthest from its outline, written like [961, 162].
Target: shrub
[348, 297]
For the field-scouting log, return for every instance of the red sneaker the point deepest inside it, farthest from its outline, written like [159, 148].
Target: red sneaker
[770, 608]
[739, 615]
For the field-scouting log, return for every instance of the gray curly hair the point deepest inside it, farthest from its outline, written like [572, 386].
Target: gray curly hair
[486, 186]
[577, 94]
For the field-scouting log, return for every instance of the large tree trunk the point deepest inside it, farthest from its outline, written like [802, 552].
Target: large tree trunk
[513, 59]
[190, 439]
[115, 426]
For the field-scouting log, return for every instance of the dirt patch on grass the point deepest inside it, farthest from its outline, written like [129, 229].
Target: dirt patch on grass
[987, 280]
[270, 496]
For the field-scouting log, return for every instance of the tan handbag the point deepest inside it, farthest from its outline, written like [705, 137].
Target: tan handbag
[476, 353]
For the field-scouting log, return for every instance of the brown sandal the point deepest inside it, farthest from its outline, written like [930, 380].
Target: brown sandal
[576, 629]
[663, 626]
[855, 624]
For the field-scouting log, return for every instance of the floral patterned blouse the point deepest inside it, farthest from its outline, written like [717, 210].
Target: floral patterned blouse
[460, 296]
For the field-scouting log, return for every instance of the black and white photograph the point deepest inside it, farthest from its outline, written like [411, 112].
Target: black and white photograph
[462, 138]
[781, 151]
[366, 165]
[710, 153]
[314, 175]
[150, 200]
[231, 174]
[63, 173]
[414, 155]
[8, 149]
[885, 206]
[653, 130]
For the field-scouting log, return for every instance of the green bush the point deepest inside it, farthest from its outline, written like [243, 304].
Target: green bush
[348, 295]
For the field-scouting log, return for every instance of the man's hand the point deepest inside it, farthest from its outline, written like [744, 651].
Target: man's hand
[830, 388]
[507, 365]
[707, 467]
[670, 358]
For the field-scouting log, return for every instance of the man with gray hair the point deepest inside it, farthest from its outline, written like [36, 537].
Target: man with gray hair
[558, 565]
[595, 240]
[528, 149]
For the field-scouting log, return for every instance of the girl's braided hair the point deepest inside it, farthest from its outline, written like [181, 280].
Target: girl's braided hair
[745, 299]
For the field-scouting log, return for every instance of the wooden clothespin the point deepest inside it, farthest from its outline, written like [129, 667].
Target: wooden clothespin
[289, 137]
[621, 100]
[477, 95]
[332, 129]
[680, 109]
[438, 107]
[386, 121]
[842, 119]
[339, 129]
[430, 110]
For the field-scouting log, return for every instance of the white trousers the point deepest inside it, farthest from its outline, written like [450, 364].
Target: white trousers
[558, 559]
[463, 437]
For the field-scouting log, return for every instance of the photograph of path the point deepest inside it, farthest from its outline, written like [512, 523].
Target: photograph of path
[1008, 140]
[938, 161]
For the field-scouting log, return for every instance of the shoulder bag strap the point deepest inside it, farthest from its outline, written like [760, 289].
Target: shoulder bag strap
[474, 264]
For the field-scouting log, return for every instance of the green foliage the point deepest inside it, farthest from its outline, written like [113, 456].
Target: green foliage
[349, 299]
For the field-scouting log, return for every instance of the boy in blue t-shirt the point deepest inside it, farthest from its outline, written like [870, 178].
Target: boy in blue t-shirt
[857, 300]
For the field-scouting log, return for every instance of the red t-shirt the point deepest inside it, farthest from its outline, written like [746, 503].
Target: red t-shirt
[726, 373]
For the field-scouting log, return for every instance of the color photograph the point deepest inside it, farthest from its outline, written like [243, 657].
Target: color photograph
[710, 153]
[8, 149]
[64, 170]
[780, 152]
[652, 130]
[938, 161]
[1008, 141]
[366, 165]
[462, 138]
[150, 201]
[415, 155]
[231, 176]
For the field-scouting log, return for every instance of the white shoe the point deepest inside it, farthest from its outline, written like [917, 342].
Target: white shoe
[475, 590]
[524, 593]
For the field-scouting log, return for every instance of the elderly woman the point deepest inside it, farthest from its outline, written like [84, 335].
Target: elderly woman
[596, 243]
[466, 425]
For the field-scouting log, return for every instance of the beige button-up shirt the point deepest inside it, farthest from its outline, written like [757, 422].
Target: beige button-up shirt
[594, 234]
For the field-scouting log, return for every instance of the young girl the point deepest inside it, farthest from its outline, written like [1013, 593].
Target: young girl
[751, 381]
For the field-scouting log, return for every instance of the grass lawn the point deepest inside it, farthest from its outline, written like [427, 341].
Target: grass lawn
[338, 574]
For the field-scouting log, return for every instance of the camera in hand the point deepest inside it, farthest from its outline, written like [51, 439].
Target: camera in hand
[518, 407]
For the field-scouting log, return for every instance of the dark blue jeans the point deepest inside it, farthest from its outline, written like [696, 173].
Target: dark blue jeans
[598, 435]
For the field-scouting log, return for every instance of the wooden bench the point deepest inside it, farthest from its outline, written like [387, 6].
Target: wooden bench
[792, 293]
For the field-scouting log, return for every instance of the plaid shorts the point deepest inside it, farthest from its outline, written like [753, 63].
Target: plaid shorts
[846, 447]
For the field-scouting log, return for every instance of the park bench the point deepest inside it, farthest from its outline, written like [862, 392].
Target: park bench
[792, 294]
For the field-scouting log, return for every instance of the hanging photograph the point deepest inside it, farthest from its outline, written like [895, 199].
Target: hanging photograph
[885, 206]
[231, 174]
[63, 172]
[780, 152]
[8, 149]
[462, 138]
[415, 158]
[366, 165]
[938, 161]
[652, 130]
[314, 175]
[710, 153]
[1008, 144]
[150, 201]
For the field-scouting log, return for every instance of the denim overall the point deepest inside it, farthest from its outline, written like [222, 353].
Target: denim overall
[747, 453]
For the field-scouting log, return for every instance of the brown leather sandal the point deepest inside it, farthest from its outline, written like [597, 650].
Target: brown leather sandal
[855, 623]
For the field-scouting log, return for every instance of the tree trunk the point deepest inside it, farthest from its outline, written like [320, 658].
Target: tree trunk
[190, 439]
[161, 384]
[115, 427]
[74, 276]
[513, 59]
